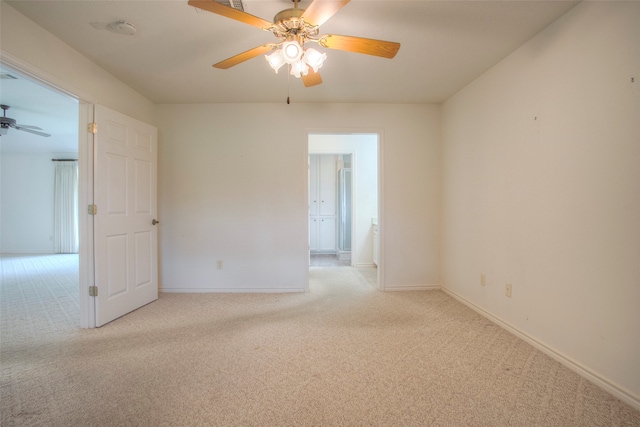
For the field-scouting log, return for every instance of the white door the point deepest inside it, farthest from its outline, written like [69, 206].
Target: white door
[313, 234]
[328, 184]
[125, 187]
[313, 185]
[327, 234]
[322, 202]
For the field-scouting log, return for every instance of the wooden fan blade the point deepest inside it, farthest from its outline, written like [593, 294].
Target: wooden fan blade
[220, 9]
[319, 11]
[244, 56]
[360, 45]
[311, 79]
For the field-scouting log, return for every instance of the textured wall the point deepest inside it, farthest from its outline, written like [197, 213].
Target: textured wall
[541, 190]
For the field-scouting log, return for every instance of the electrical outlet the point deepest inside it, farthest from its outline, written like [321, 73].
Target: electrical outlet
[483, 279]
[507, 290]
[219, 264]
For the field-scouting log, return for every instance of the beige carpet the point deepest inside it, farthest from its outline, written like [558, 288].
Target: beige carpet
[341, 355]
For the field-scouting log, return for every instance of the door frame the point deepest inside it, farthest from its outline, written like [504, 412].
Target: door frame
[85, 175]
[381, 214]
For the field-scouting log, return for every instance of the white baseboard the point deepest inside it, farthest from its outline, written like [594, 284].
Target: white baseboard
[412, 288]
[364, 265]
[609, 386]
[229, 290]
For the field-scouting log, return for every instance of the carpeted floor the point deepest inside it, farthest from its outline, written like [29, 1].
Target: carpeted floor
[342, 354]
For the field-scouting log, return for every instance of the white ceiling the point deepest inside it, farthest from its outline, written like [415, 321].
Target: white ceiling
[444, 46]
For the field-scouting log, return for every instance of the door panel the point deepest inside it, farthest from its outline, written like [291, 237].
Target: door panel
[116, 184]
[327, 234]
[143, 196]
[327, 186]
[322, 202]
[313, 185]
[143, 260]
[117, 261]
[313, 234]
[126, 270]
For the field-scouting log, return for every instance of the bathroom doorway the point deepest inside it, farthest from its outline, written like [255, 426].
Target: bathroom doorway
[330, 210]
[343, 201]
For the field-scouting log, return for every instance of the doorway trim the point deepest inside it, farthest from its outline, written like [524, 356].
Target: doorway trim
[85, 175]
[381, 206]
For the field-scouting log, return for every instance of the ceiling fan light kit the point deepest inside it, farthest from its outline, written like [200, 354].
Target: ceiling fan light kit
[299, 69]
[294, 28]
[314, 59]
[276, 59]
[291, 51]
[299, 60]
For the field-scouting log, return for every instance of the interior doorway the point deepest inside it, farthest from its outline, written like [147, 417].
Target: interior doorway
[330, 210]
[344, 171]
[27, 168]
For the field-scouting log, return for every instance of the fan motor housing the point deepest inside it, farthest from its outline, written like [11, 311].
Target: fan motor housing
[288, 14]
[6, 121]
[289, 23]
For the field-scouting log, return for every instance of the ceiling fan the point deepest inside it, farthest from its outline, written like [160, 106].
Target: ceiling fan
[294, 28]
[7, 122]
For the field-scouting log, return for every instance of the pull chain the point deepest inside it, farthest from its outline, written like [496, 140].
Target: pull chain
[288, 85]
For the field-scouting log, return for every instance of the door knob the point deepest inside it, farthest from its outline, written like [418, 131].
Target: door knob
[154, 222]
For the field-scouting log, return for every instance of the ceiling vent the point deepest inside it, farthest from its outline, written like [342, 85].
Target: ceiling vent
[236, 4]
[122, 27]
[7, 76]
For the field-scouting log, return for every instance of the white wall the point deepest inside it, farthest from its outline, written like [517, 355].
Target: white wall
[29, 43]
[26, 219]
[365, 182]
[541, 185]
[233, 186]
[27, 201]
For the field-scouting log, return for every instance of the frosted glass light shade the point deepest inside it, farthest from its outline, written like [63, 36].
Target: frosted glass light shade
[291, 51]
[314, 58]
[276, 60]
[299, 60]
[299, 68]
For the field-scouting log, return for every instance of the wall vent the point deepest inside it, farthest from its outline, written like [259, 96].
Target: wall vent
[236, 4]
[7, 76]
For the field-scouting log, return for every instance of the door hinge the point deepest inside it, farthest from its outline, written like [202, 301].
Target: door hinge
[93, 127]
[92, 209]
[93, 291]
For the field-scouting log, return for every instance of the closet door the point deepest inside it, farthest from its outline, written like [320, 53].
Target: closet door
[313, 234]
[313, 185]
[322, 202]
[327, 234]
[327, 186]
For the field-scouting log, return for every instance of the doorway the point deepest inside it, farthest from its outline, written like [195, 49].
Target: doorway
[330, 210]
[350, 206]
[36, 102]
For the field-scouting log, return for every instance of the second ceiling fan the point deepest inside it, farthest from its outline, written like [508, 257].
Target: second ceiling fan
[294, 28]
